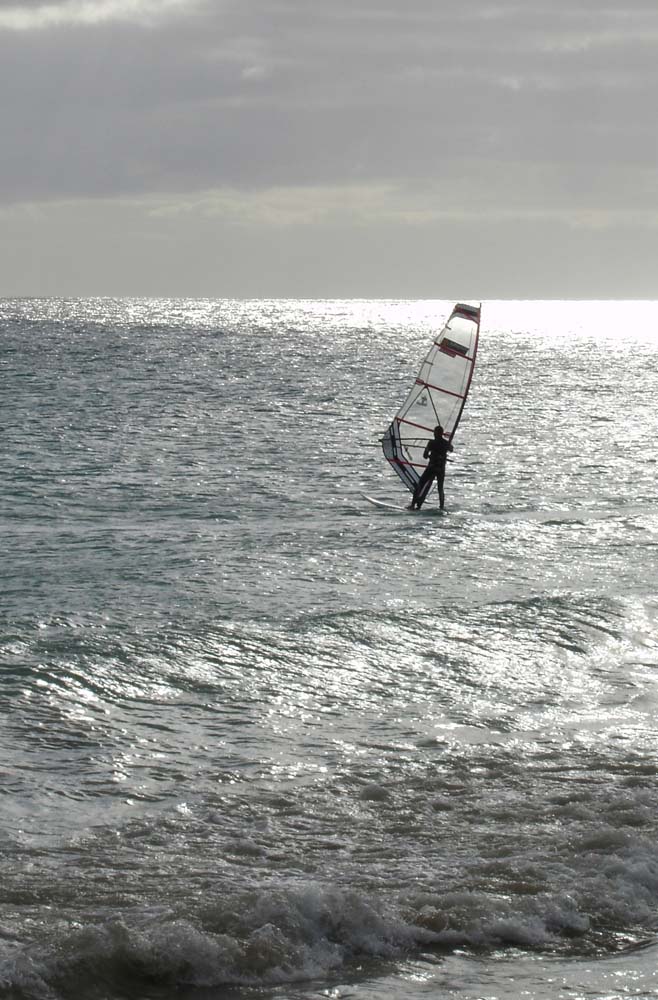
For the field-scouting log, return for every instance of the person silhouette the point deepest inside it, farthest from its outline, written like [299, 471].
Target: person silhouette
[436, 450]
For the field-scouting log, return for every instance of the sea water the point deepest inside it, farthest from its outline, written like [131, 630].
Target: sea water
[261, 739]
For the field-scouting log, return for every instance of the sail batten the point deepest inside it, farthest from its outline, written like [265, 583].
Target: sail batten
[437, 396]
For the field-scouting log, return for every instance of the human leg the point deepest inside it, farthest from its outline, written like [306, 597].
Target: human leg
[422, 488]
[439, 482]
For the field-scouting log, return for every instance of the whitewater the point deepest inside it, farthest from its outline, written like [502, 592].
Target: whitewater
[261, 739]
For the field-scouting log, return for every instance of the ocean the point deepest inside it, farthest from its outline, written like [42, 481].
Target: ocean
[260, 739]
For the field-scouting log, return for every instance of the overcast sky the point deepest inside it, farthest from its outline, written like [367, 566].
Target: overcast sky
[321, 148]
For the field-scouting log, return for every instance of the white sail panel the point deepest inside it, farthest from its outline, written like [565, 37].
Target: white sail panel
[437, 396]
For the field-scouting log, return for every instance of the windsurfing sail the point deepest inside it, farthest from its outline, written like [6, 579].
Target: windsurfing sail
[437, 397]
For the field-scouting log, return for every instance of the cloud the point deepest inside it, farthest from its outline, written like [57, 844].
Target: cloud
[157, 246]
[461, 201]
[362, 113]
[36, 15]
[530, 197]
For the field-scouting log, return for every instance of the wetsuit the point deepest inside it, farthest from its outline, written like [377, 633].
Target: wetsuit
[437, 451]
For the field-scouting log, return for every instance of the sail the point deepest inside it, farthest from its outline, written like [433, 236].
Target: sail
[437, 397]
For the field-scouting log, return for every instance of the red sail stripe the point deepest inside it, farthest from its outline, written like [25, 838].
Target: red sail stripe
[428, 385]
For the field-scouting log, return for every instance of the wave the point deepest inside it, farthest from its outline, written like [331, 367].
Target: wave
[263, 938]
[285, 934]
[325, 791]
[503, 658]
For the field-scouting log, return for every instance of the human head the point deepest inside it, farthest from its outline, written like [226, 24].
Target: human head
[438, 431]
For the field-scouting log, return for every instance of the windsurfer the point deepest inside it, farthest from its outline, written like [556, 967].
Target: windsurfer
[436, 450]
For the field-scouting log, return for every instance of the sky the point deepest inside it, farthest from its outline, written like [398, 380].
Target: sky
[329, 148]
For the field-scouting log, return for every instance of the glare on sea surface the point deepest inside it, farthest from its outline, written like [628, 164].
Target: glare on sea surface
[606, 321]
